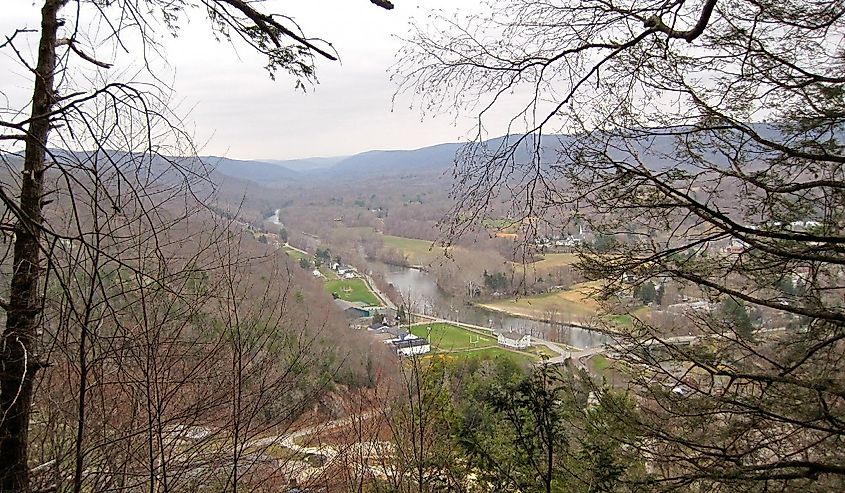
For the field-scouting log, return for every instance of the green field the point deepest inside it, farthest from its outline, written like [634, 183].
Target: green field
[353, 290]
[600, 363]
[295, 254]
[539, 351]
[448, 337]
[492, 353]
[499, 224]
[626, 320]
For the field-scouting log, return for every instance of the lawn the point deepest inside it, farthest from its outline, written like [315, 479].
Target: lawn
[448, 337]
[492, 353]
[540, 351]
[571, 305]
[599, 363]
[353, 290]
[623, 320]
[295, 254]
[626, 320]
[415, 250]
[500, 224]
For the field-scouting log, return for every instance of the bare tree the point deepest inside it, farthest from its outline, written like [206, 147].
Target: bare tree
[115, 139]
[701, 143]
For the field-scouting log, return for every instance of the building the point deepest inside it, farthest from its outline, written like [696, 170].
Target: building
[412, 346]
[353, 310]
[396, 333]
[736, 247]
[514, 340]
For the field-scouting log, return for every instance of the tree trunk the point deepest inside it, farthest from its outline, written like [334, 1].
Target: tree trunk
[18, 358]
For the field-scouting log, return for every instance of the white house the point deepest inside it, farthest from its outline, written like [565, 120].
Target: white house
[408, 347]
[514, 340]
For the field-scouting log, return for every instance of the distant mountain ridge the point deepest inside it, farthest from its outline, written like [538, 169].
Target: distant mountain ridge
[257, 171]
[307, 164]
[426, 161]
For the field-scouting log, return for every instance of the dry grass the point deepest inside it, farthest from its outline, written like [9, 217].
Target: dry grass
[572, 305]
[417, 251]
[553, 260]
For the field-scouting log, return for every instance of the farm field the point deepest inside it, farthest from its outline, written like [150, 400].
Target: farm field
[353, 290]
[552, 260]
[571, 305]
[505, 225]
[548, 261]
[448, 337]
[417, 251]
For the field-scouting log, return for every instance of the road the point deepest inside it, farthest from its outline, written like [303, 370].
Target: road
[385, 301]
[288, 440]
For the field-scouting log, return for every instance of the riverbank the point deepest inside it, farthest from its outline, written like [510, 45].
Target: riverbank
[581, 324]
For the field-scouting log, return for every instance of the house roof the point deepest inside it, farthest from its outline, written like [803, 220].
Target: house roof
[406, 343]
[395, 332]
[514, 336]
[343, 304]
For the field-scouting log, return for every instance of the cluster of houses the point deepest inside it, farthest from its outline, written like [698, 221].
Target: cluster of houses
[403, 342]
[343, 271]
[562, 241]
[736, 246]
[569, 241]
[383, 327]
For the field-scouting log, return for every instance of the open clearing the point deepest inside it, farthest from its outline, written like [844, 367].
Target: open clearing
[492, 353]
[416, 250]
[503, 225]
[448, 337]
[572, 305]
[548, 261]
[461, 344]
[552, 260]
[352, 290]
[294, 254]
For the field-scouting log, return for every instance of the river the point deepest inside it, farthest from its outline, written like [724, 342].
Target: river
[275, 218]
[427, 298]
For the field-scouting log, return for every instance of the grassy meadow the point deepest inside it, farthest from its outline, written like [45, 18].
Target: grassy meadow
[352, 290]
[448, 337]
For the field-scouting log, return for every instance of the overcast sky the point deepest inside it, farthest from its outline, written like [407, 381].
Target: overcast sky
[234, 109]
